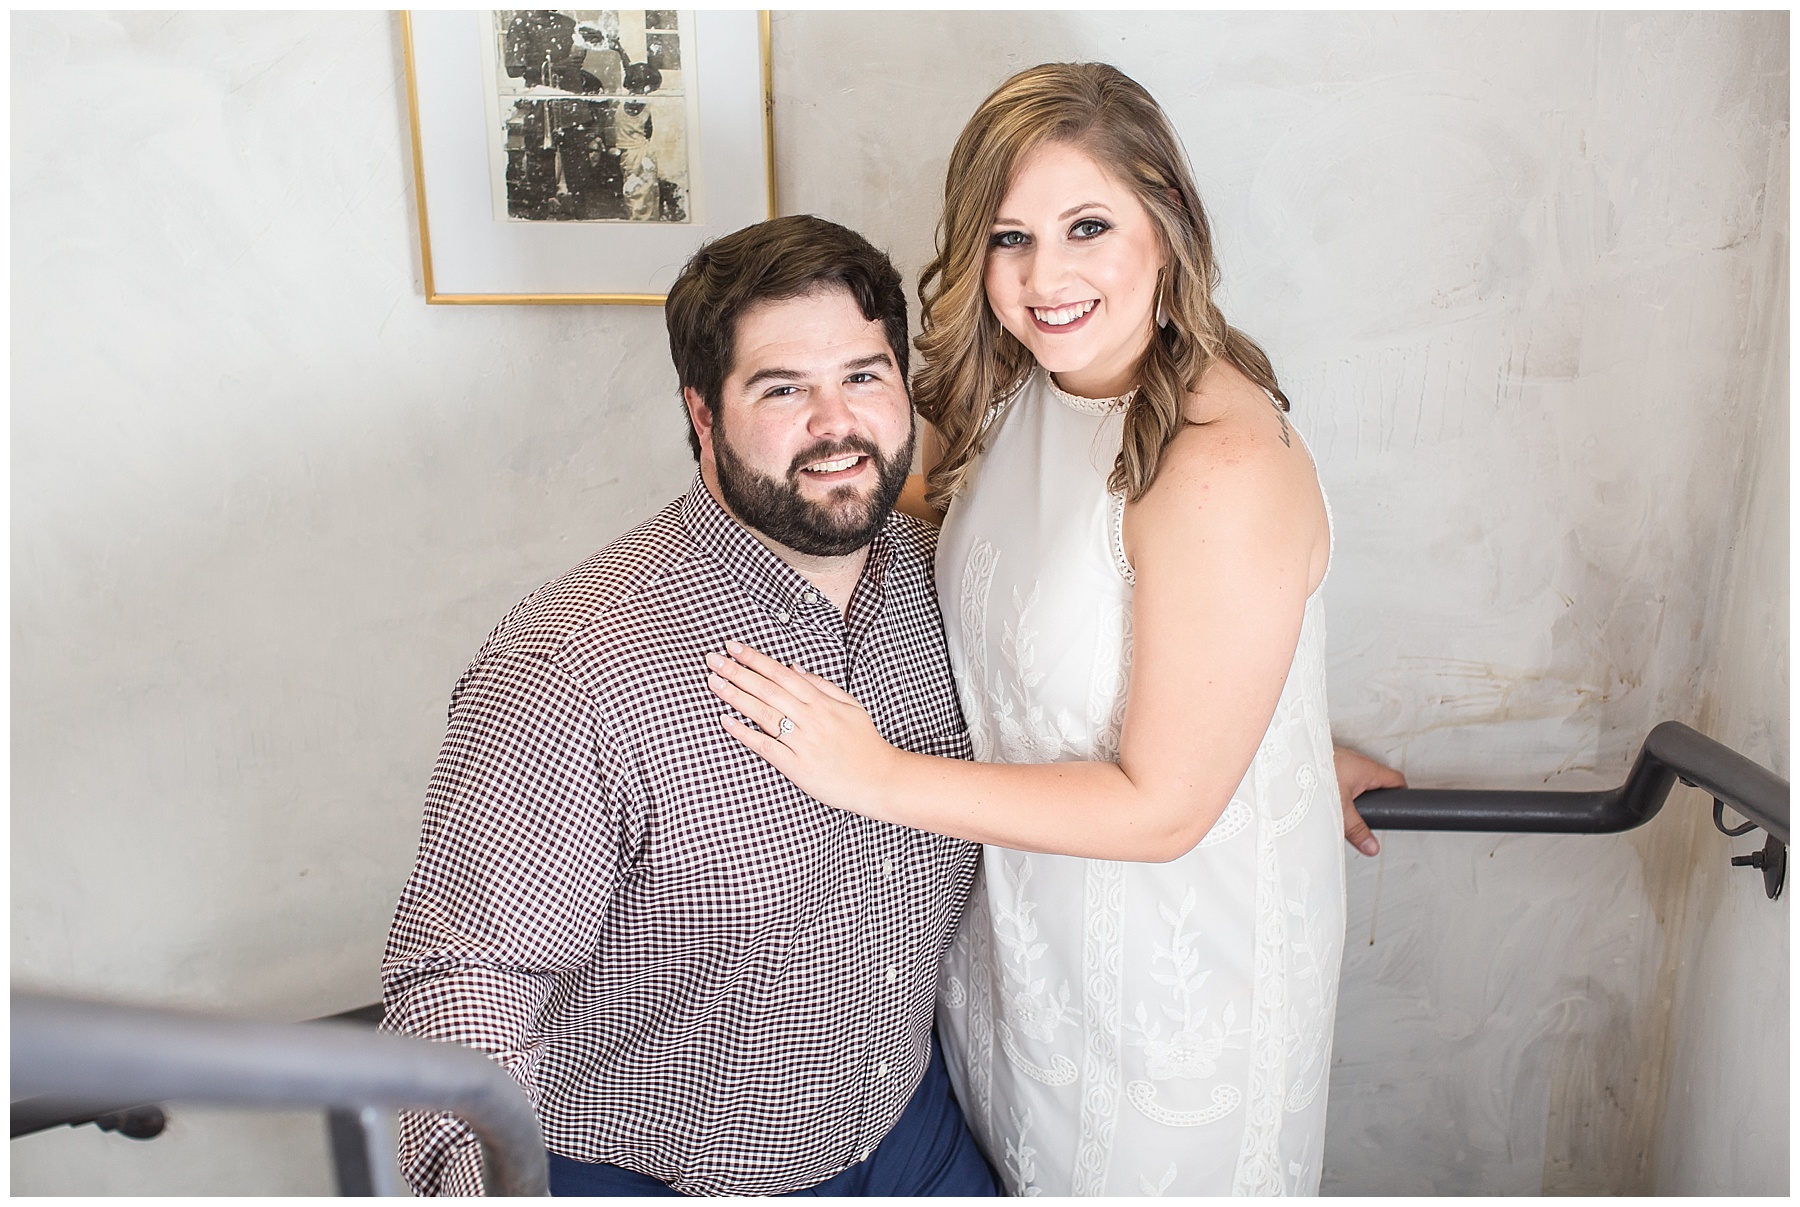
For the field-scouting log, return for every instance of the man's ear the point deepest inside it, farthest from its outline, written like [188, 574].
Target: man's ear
[701, 416]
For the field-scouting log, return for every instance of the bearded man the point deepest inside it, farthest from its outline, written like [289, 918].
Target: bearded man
[708, 982]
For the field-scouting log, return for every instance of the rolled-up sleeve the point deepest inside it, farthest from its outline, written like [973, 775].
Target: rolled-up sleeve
[527, 831]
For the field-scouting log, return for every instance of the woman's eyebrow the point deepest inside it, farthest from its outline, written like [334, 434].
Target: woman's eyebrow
[1086, 205]
[1066, 214]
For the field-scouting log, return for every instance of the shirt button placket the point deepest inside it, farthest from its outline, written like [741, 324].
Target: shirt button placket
[887, 970]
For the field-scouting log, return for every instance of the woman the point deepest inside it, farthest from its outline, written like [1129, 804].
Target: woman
[1129, 574]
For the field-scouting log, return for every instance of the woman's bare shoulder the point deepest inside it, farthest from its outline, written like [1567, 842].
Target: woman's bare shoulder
[1235, 433]
[1237, 468]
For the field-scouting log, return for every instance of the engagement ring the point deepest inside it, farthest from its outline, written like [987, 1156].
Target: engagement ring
[786, 727]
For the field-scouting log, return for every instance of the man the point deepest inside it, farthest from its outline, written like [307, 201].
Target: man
[707, 982]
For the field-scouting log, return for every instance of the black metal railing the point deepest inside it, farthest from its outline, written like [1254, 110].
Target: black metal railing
[84, 1057]
[1672, 752]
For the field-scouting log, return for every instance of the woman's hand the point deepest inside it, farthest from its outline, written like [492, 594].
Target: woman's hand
[828, 746]
[1356, 774]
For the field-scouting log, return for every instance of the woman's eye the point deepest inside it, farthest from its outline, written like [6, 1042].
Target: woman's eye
[1087, 228]
[1007, 239]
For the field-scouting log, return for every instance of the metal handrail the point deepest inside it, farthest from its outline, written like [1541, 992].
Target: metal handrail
[1671, 752]
[100, 1052]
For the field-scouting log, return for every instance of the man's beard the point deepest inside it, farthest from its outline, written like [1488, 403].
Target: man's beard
[842, 524]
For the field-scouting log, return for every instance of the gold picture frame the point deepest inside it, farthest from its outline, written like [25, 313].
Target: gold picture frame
[480, 274]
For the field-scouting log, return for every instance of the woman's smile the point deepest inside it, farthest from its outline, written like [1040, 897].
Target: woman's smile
[1063, 318]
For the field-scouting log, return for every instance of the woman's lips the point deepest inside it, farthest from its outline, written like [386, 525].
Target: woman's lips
[1061, 328]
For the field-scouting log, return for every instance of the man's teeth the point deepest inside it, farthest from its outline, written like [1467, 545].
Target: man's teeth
[1063, 314]
[831, 467]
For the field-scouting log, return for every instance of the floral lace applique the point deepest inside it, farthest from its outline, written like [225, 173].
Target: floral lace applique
[1192, 1048]
[1021, 1158]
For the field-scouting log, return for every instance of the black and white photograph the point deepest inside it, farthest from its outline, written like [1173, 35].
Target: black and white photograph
[590, 115]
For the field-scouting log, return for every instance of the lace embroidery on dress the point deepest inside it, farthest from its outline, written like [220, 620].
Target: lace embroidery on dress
[1028, 1005]
[1118, 540]
[1192, 1049]
[1111, 677]
[1089, 406]
[1021, 1158]
[977, 582]
[1102, 962]
[1258, 1169]
[977, 933]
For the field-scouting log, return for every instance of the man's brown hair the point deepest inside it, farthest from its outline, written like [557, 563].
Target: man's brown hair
[770, 262]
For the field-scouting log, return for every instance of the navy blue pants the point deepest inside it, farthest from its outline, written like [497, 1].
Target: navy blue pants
[928, 1152]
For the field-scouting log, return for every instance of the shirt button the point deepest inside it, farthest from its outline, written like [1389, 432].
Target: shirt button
[783, 616]
[887, 867]
[881, 1069]
[893, 975]
[808, 597]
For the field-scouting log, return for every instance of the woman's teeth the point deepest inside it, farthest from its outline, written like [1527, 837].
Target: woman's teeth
[831, 467]
[1062, 314]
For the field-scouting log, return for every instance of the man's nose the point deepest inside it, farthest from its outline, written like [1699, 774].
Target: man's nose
[831, 414]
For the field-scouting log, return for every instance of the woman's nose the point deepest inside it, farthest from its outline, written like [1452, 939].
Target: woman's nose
[1044, 270]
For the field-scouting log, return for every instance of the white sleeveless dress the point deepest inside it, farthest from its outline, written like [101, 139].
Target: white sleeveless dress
[1127, 1028]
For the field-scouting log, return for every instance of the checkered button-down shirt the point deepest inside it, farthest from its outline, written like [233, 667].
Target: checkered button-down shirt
[697, 971]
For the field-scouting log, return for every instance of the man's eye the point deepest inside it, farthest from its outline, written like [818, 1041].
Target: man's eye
[1087, 228]
[782, 391]
[1007, 239]
[861, 378]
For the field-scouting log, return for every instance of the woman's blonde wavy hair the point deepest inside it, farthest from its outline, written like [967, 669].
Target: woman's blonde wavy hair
[971, 362]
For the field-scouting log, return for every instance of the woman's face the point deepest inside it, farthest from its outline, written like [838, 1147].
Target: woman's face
[1072, 265]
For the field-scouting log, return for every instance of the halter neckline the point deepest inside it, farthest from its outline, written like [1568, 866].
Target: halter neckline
[1091, 406]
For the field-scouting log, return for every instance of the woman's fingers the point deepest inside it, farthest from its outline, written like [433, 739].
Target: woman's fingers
[793, 681]
[827, 688]
[754, 683]
[765, 715]
[793, 678]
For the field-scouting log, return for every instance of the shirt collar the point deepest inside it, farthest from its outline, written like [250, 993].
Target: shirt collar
[786, 593]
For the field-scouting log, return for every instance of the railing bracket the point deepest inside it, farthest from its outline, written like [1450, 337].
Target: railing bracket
[1719, 820]
[1772, 859]
[140, 1123]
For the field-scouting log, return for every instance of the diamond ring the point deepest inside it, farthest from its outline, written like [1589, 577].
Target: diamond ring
[786, 727]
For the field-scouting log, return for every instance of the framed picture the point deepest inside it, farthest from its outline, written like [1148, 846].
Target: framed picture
[582, 155]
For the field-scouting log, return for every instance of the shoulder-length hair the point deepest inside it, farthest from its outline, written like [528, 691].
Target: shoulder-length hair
[971, 362]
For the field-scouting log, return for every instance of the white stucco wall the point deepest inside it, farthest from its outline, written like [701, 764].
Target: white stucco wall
[1519, 272]
[1727, 1124]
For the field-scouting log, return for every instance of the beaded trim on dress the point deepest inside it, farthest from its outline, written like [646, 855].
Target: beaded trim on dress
[1090, 406]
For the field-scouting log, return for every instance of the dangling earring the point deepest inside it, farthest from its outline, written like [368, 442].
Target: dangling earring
[1162, 312]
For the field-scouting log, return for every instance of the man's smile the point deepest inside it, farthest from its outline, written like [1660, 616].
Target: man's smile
[836, 469]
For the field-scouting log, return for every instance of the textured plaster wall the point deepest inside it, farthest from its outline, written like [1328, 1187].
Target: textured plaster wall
[1726, 1127]
[1523, 275]
[266, 504]
[1518, 273]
